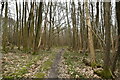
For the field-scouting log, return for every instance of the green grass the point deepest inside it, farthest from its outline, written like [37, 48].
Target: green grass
[30, 61]
[9, 77]
[71, 58]
[105, 74]
[39, 75]
[74, 60]
[23, 70]
[18, 73]
[46, 66]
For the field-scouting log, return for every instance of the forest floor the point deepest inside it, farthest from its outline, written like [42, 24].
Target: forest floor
[19, 64]
[57, 63]
[72, 66]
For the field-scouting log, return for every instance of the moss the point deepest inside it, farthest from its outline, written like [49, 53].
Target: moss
[99, 65]
[86, 54]
[93, 64]
[106, 74]
[39, 75]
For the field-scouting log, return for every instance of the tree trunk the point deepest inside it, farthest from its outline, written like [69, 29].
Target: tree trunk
[50, 29]
[73, 16]
[45, 29]
[90, 37]
[38, 28]
[5, 28]
[117, 54]
[17, 34]
[69, 28]
[106, 67]
[25, 30]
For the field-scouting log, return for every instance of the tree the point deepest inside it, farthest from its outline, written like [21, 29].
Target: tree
[90, 37]
[5, 28]
[69, 28]
[1, 28]
[38, 28]
[31, 27]
[106, 67]
[25, 29]
[16, 33]
[45, 28]
[50, 29]
[73, 16]
[117, 54]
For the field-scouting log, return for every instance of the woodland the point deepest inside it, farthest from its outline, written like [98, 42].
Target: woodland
[74, 39]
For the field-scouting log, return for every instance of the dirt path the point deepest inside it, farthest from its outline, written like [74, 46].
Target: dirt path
[53, 73]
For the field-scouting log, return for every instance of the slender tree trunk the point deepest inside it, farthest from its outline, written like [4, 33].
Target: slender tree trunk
[25, 30]
[84, 31]
[20, 31]
[5, 28]
[31, 27]
[90, 37]
[22, 34]
[117, 54]
[1, 27]
[106, 67]
[17, 34]
[74, 45]
[38, 28]
[45, 29]
[69, 28]
[81, 26]
[50, 29]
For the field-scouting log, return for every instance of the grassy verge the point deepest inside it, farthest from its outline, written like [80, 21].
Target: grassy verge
[73, 60]
[76, 68]
[19, 63]
[45, 67]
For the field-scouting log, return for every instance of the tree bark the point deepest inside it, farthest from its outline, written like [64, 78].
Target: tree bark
[117, 54]
[90, 36]
[69, 28]
[38, 28]
[50, 29]
[106, 66]
[5, 29]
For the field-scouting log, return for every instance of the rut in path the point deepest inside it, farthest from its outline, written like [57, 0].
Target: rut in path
[54, 69]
